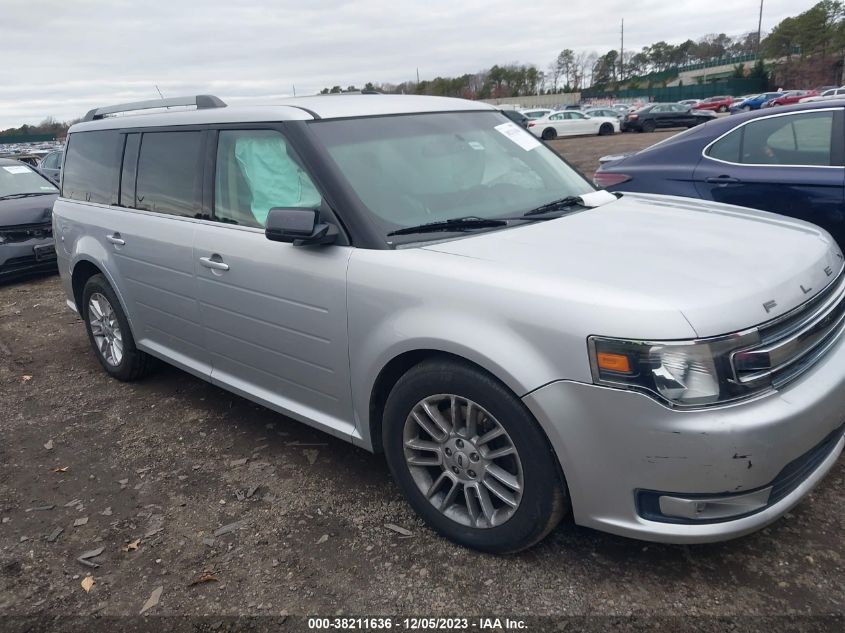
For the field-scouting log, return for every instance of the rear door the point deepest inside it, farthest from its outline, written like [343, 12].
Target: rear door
[786, 163]
[274, 314]
[151, 241]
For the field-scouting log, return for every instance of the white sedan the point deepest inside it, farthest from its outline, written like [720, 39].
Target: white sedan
[834, 93]
[572, 123]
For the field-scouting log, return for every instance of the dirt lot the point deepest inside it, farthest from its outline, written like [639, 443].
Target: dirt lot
[149, 471]
[584, 153]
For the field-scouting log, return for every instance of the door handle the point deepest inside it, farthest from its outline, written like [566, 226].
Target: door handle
[214, 262]
[116, 239]
[723, 180]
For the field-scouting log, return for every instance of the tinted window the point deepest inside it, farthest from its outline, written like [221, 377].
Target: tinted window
[130, 164]
[168, 173]
[91, 166]
[727, 148]
[800, 139]
[256, 171]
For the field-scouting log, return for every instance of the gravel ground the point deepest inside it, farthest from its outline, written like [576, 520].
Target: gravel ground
[231, 509]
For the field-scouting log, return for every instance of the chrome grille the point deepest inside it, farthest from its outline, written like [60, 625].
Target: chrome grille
[793, 343]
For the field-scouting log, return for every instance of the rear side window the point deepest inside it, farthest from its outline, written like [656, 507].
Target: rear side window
[799, 139]
[91, 166]
[727, 148]
[169, 176]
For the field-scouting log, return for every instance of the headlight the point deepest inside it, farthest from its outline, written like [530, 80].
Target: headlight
[683, 374]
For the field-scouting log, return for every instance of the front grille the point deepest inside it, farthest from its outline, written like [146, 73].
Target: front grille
[24, 232]
[791, 344]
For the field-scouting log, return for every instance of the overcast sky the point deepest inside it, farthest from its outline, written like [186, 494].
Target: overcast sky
[62, 57]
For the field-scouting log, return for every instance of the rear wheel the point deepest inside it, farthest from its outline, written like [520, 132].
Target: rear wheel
[606, 129]
[549, 134]
[109, 334]
[649, 126]
[471, 459]
[722, 108]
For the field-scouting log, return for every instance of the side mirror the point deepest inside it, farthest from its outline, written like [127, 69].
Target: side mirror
[300, 227]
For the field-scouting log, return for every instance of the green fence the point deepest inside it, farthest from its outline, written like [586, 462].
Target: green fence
[734, 87]
[27, 138]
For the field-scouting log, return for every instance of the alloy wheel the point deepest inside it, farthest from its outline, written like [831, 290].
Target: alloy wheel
[105, 329]
[463, 461]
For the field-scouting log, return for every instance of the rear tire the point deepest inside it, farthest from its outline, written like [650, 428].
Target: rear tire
[435, 423]
[605, 129]
[722, 108]
[549, 134]
[109, 333]
[649, 126]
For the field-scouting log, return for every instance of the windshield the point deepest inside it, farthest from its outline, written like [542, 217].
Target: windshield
[18, 179]
[415, 169]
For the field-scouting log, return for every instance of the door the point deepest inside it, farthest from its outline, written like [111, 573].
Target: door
[274, 314]
[151, 241]
[580, 123]
[789, 164]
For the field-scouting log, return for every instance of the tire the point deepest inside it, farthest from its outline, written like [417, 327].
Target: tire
[537, 490]
[605, 129]
[722, 108]
[109, 333]
[549, 134]
[746, 108]
[649, 126]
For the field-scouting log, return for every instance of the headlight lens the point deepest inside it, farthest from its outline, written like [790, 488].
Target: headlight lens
[684, 374]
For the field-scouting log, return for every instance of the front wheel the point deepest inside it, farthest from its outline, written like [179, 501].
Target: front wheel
[471, 459]
[722, 108]
[108, 332]
[549, 134]
[649, 126]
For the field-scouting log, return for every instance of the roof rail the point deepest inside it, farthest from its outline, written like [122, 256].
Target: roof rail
[200, 101]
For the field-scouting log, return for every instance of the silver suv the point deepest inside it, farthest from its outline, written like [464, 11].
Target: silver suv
[420, 276]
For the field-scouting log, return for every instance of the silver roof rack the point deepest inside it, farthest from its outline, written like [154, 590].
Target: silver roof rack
[200, 101]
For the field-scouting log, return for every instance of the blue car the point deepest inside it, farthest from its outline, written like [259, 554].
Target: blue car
[789, 161]
[754, 103]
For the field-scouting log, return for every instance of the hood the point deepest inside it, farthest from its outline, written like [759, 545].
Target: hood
[34, 210]
[722, 267]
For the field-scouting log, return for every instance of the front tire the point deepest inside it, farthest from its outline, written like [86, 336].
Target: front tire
[649, 126]
[471, 459]
[549, 134]
[723, 108]
[109, 333]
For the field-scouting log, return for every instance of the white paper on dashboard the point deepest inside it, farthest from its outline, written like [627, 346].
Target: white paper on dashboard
[519, 136]
[17, 169]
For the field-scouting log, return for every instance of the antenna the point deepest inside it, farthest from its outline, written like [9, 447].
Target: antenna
[159, 92]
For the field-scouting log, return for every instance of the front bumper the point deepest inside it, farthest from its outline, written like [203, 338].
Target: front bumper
[19, 259]
[616, 445]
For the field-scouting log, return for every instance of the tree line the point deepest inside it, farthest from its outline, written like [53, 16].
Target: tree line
[808, 48]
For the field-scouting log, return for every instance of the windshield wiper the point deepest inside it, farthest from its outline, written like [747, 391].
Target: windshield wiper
[455, 224]
[12, 196]
[555, 205]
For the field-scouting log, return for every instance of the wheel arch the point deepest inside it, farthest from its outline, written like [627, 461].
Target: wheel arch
[81, 270]
[398, 366]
